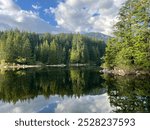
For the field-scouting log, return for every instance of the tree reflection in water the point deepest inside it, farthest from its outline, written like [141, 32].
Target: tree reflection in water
[128, 93]
[28, 84]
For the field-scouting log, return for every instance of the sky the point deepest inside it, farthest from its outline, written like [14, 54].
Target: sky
[57, 16]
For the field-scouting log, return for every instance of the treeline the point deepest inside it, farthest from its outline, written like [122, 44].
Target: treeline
[30, 48]
[130, 47]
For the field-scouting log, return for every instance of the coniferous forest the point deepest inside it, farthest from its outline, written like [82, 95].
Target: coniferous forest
[18, 47]
[129, 49]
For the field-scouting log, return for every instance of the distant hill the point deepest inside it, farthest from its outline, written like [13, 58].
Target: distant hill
[97, 35]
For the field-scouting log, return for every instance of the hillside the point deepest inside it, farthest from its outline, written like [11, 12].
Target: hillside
[97, 36]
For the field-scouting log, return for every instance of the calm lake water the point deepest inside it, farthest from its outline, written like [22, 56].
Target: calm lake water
[72, 90]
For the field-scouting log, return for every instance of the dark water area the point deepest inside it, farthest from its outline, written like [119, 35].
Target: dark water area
[74, 90]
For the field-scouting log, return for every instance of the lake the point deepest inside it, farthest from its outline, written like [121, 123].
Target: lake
[72, 90]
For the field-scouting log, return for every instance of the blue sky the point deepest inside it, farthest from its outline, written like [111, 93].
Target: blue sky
[39, 6]
[56, 16]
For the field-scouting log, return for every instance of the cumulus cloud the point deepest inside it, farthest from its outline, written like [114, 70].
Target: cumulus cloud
[70, 15]
[36, 7]
[11, 16]
[49, 10]
[8, 5]
[79, 15]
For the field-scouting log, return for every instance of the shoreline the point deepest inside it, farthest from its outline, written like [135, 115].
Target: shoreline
[122, 72]
[18, 66]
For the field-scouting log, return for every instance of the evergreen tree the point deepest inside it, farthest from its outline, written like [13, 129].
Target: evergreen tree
[31, 48]
[79, 51]
[44, 52]
[53, 52]
[130, 48]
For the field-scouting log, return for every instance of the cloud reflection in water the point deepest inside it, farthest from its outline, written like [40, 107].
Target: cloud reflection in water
[88, 104]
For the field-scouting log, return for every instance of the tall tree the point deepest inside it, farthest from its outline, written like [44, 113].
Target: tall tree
[44, 52]
[130, 48]
[30, 48]
[53, 52]
[79, 51]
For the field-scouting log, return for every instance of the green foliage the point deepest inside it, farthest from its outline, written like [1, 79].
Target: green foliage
[130, 48]
[124, 58]
[30, 48]
[77, 51]
[44, 52]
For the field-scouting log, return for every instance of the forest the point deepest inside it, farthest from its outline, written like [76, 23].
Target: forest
[129, 49]
[17, 47]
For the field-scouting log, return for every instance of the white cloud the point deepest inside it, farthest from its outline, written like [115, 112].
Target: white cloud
[11, 16]
[8, 5]
[49, 10]
[32, 105]
[78, 15]
[70, 15]
[85, 104]
[119, 3]
[36, 7]
[89, 104]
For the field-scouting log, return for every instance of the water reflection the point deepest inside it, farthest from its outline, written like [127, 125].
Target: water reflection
[51, 89]
[97, 103]
[27, 84]
[72, 90]
[94, 103]
[129, 93]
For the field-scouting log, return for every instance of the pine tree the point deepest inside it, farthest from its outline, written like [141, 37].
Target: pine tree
[53, 52]
[130, 48]
[44, 52]
[79, 51]
[31, 48]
